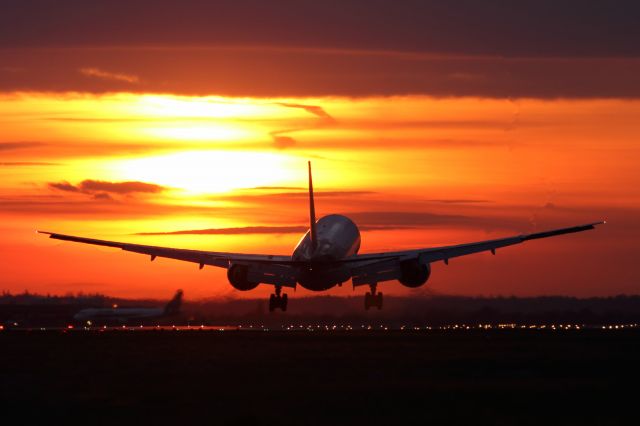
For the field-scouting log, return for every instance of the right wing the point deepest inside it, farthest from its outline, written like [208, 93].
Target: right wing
[369, 268]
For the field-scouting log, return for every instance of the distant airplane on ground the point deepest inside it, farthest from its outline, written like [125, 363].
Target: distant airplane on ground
[123, 315]
[326, 256]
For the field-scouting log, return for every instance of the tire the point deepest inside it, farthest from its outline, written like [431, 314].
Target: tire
[283, 302]
[379, 301]
[367, 301]
[272, 302]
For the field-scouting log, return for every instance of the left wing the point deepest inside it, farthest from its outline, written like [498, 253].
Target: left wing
[271, 268]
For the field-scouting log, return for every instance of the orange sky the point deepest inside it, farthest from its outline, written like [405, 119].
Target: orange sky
[428, 123]
[413, 171]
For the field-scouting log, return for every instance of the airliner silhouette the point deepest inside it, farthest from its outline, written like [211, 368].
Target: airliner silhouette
[124, 315]
[326, 256]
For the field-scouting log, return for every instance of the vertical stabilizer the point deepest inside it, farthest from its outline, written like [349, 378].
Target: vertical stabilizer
[312, 213]
[173, 307]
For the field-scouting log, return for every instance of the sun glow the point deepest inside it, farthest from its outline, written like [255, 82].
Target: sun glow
[189, 131]
[199, 172]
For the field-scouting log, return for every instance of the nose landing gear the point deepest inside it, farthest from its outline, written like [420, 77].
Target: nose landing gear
[278, 300]
[373, 299]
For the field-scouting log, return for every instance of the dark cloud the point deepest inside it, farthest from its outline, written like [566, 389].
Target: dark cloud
[268, 72]
[102, 196]
[425, 219]
[291, 48]
[541, 28]
[9, 146]
[313, 109]
[120, 187]
[102, 189]
[63, 186]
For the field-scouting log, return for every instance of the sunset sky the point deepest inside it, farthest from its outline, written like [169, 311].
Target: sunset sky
[428, 123]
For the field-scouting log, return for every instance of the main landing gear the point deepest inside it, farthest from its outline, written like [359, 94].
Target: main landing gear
[373, 299]
[278, 300]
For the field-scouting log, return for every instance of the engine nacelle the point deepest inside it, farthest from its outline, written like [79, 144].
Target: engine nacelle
[237, 275]
[413, 273]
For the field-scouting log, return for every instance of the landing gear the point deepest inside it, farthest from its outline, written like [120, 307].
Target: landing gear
[373, 299]
[278, 300]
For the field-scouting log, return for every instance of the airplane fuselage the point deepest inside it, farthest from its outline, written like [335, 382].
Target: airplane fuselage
[337, 237]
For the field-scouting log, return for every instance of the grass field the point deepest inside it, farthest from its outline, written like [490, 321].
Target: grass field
[236, 377]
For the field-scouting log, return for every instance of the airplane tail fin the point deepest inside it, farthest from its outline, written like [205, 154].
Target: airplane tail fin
[173, 307]
[312, 213]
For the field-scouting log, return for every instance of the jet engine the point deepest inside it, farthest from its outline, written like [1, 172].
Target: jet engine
[413, 274]
[237, 275]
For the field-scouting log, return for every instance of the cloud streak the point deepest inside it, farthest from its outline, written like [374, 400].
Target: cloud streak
[10, 146]
[277, 73]
[282, 138]
[102, 190]
[98, 73]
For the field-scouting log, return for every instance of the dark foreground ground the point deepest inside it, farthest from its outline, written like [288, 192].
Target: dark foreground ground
[496, 377]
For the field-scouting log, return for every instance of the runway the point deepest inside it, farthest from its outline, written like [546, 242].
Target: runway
[457, 376]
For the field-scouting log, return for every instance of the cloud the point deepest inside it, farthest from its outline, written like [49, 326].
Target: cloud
[283, 197]
[316, 110]
[120, 187]
[63, 186]
[266, 72]
[281, 138]
[282, 142]
[98, 73]
[459, 201]
[99, 206]
[235, 231]
[570, 28]
[466, 48]
[261, 230]
[102, 189]
[278, 73]
[26, 163]
[414, 219]
[9, 146]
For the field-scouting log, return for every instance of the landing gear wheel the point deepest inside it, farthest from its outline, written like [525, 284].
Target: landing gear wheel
[278, 300]
[272, 303]
[372, 298]
[379, 301]
[367, 301]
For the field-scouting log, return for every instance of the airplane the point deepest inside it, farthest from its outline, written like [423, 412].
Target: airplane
[123, 315]
[326, 256]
